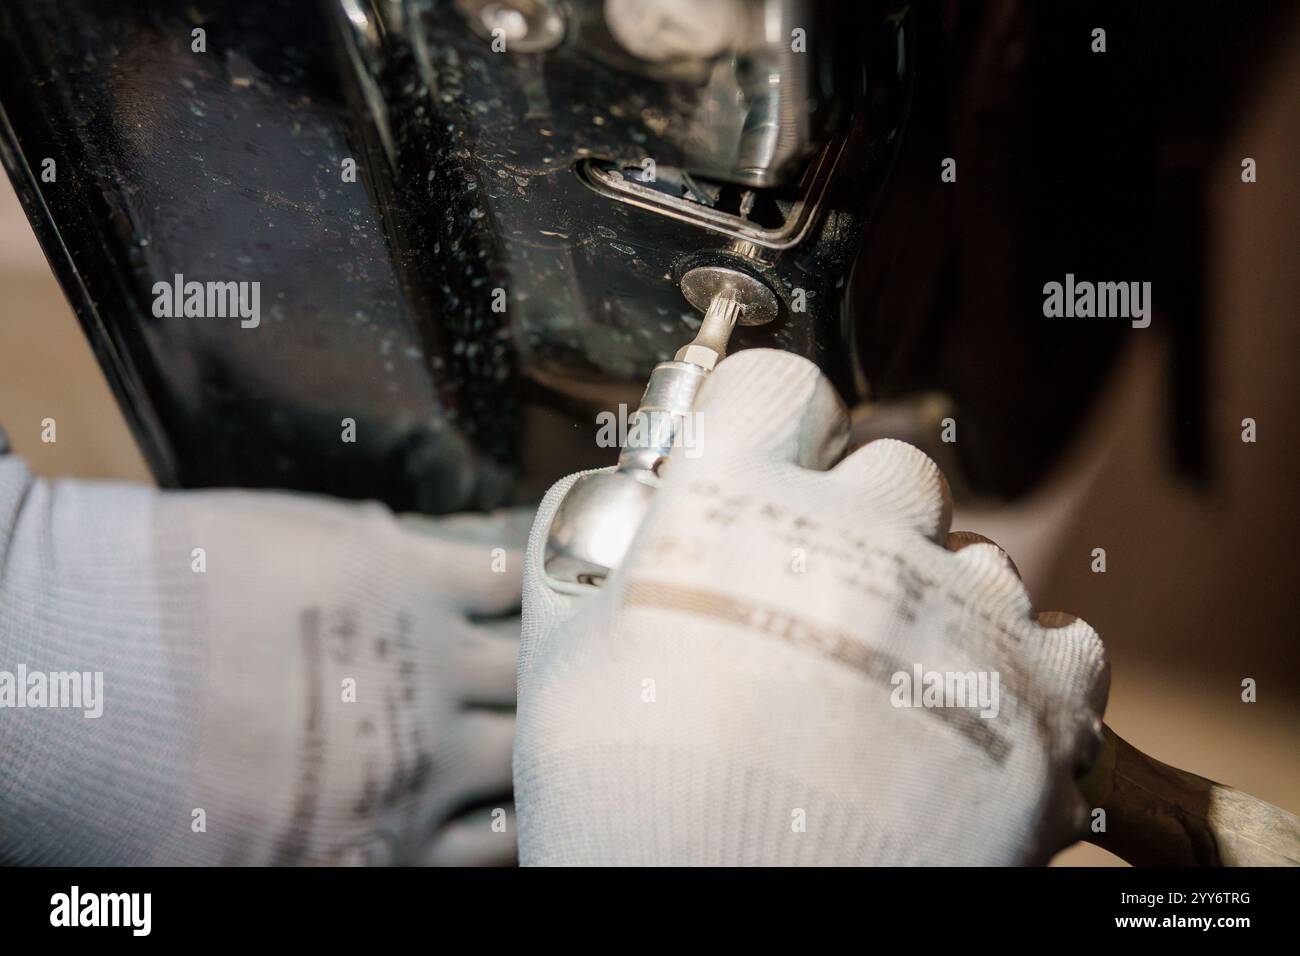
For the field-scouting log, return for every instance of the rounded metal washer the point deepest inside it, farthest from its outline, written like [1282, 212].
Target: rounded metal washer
[758, 303]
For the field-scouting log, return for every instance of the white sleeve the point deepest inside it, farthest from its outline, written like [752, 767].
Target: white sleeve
[101, 671]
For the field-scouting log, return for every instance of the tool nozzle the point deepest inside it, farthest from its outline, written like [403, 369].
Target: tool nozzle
[709, 347]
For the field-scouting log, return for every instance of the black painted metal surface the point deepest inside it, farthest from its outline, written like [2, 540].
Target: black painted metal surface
[379, 297]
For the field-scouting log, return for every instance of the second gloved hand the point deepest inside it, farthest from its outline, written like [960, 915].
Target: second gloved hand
[792, 667]
[285, 679]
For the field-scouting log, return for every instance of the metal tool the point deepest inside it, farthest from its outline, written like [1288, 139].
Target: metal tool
[600, 514]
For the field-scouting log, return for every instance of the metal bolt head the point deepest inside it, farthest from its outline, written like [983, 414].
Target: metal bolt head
[528, 26]
[757, 302]
[663, 30]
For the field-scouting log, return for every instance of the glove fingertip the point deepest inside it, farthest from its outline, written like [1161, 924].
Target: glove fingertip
[894, 478]
[774, 405]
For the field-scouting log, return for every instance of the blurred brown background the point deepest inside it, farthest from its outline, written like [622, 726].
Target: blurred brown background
[1200, 590]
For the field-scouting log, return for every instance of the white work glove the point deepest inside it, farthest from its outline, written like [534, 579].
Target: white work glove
[731, 695]
[314, 686]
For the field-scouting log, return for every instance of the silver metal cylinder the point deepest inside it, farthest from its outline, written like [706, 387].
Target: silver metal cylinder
[595, 524]
[657, 424]
[599, 516]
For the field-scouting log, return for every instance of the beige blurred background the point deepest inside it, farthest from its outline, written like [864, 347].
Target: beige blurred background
[1201, 587]
[47, 369]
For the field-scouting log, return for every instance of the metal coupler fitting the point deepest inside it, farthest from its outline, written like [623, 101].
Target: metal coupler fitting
[594, 525]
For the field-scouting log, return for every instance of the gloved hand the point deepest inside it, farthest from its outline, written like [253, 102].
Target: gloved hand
[314, 685]
[743, 690]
